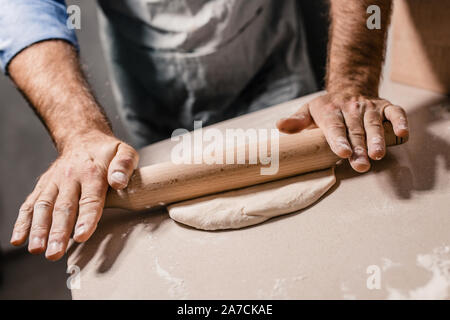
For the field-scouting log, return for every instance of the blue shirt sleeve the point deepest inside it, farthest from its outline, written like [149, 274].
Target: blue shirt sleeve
[24, 22]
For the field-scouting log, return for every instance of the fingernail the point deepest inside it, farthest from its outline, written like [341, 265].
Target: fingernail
[361, 160]
[402, 125]
[119, 177]
[377, 148]
[79, 230]
[54, 247]
[36, 242]
[359, 155]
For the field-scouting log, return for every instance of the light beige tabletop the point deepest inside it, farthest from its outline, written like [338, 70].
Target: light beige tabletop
[383, 234]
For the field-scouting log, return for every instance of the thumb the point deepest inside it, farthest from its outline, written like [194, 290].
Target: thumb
[122, 166]
[296, 122]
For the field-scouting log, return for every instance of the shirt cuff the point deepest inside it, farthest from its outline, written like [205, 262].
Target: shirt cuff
[25, 22]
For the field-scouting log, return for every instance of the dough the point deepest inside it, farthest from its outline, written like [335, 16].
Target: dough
[255, 204]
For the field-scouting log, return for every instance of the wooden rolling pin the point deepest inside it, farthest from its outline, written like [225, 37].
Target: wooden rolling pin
[166, 183]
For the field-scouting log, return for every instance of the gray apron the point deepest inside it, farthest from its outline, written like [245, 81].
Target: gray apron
[176, 61]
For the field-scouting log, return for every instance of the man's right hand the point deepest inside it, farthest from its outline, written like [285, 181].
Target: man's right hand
[70, 195]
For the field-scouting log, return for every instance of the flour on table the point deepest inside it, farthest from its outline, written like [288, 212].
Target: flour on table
[252, 205]
[438, 287]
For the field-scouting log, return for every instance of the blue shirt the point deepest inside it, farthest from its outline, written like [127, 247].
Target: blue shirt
[24, 22]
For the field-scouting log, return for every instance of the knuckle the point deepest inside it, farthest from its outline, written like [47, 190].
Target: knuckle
[69, 171]
[22, 226]
[330, 107]
[374, 123]
[93, 200]
[356, 132]
[40, 185]
[332, 115]
[333, 125]
[353, 106]
[402, 111]
[43, 204]
[373, 114]
[40, 181]
[95, 171]
[90, 166]
[64, 208]
[131, 152]
[356, 105]
[125, 161]
[127, 148]
[370, 106]
[26, 208]
[401, 115]
[38, 228]
[397, 108]
[58, 234]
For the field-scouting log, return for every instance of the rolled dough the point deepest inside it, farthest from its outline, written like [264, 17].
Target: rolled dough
[252, 205]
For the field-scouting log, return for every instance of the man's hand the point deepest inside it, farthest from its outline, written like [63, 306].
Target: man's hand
[351, 113]
[352, 125]
[73, 190]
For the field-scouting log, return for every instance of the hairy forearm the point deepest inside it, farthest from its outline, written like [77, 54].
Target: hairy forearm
[49, 76]
[356, 53]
